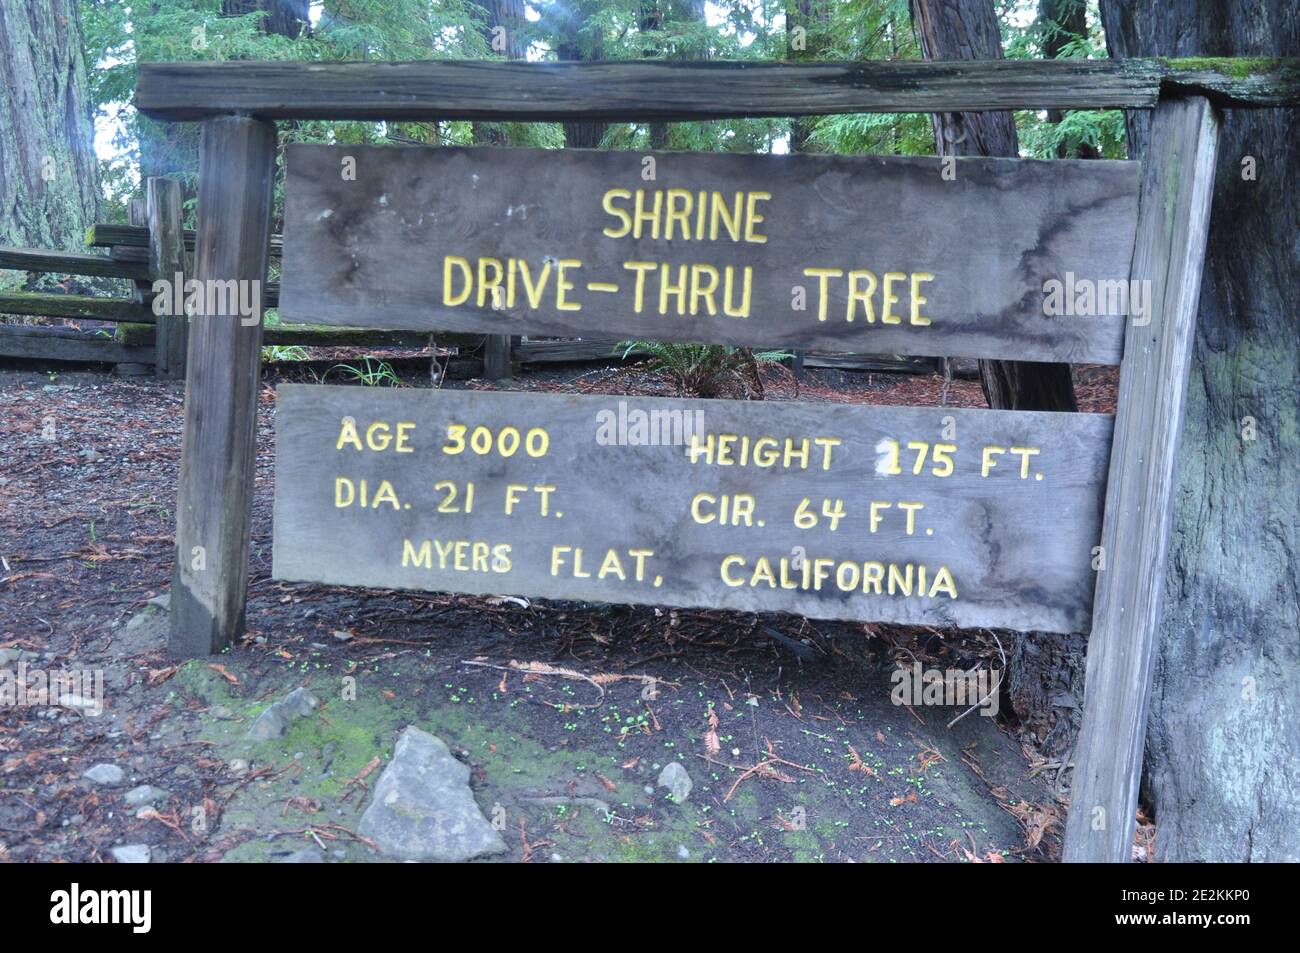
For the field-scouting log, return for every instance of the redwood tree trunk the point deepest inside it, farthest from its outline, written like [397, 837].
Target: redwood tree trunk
[968, 30]
[1044, 670]
[1223, 736]
[49, 178]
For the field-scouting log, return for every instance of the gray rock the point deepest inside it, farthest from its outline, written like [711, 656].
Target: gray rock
[105, 774]
[276, 719]
[677, 781]
[222, 713]
[683, 852]
[238, 767]
[144, 795]
[162, 601]
[131, 854]
[423, 809]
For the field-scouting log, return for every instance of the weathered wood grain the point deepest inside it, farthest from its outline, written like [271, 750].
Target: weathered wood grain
[641, 91]
[83, 307]
[69, 263]
[375, 249]
[497, 357]
[68, 344]
[1172, 230]
[110, 234]
[168, 261]
[215, 483]
[1018, 548]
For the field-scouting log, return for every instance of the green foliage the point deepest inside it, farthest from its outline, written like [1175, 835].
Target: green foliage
[277, 353]
[700, 369]
[871, 30]
[372, 373]
[1100, 131]
[119, 35]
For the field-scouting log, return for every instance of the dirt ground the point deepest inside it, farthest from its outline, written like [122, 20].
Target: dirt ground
[784, 725]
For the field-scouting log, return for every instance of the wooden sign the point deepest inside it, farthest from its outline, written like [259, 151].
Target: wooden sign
[906, 514]
[915, 256]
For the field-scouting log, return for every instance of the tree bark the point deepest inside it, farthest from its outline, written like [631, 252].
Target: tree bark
[49, 177]
[968, 29]
[1044, 670]
[1223, 736]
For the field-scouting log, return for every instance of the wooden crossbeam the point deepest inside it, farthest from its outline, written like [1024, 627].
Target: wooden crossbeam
[630, 90]
[70, 263]
[113, 235]
[77, 307]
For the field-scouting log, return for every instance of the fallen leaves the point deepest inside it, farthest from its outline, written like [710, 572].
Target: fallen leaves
[223, 672]
[766, 769]
[1035, 819]
[159, 675]
[857, 764]
[712, 745]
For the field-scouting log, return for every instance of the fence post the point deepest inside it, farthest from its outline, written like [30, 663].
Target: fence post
[215, 485]
[163, 198]
[1172, 227]
[496, 357]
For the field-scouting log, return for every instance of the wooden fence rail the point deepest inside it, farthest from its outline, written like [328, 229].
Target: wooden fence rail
[616, 91]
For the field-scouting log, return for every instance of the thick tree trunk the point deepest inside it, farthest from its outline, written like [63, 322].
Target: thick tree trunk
[1045, 671]
[1223, 736]
[968, 30]
[49, 178]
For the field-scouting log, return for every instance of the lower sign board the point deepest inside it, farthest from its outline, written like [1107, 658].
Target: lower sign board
[907, 514]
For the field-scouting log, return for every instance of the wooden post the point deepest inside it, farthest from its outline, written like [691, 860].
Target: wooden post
[215, 498]
[167, 261]
[137, 214]
[1173, 220]
[496, 357]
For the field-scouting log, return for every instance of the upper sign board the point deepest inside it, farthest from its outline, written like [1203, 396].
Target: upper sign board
[990, 258]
